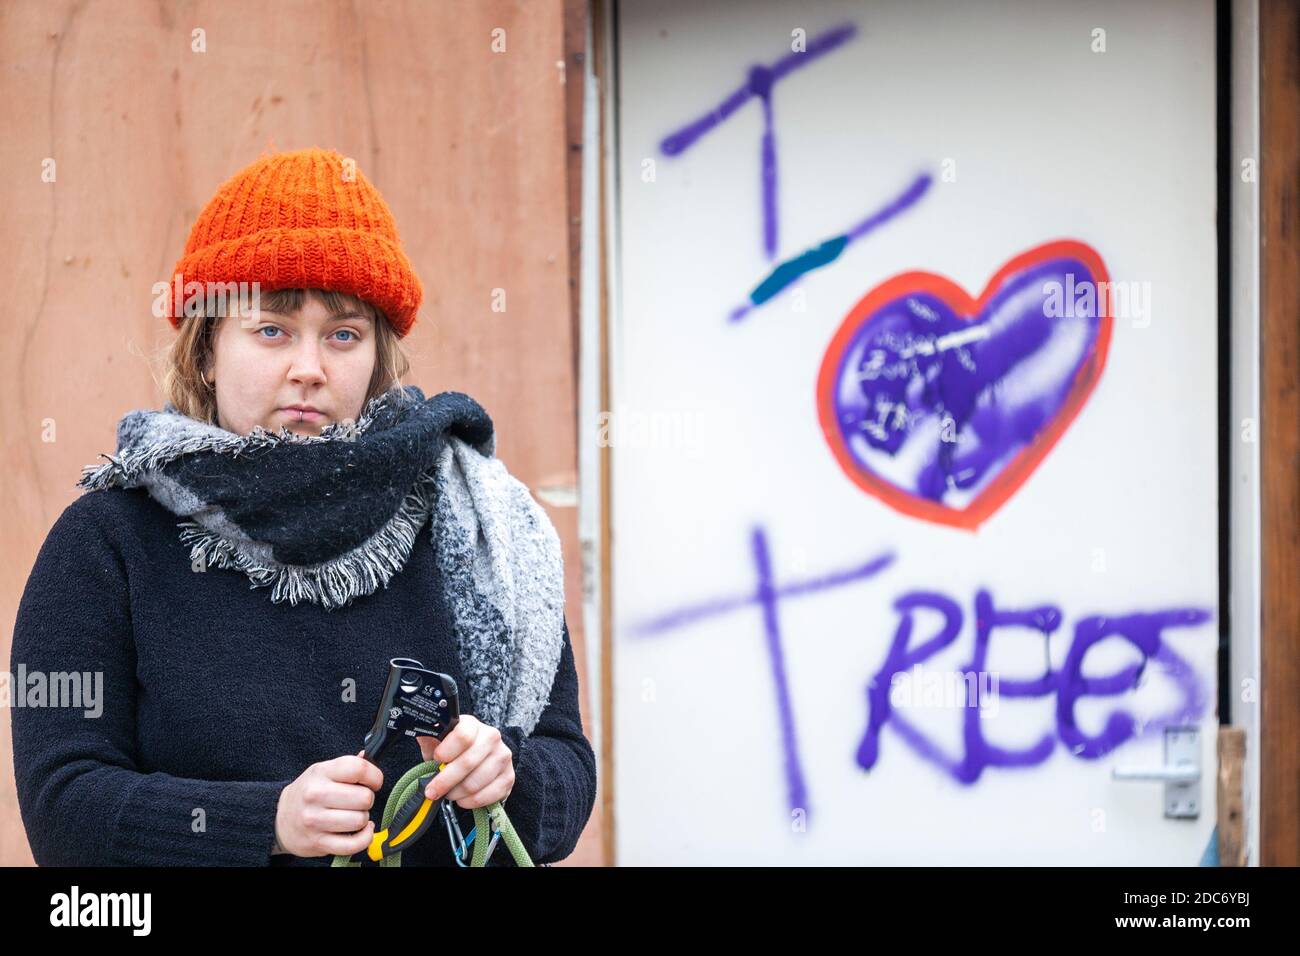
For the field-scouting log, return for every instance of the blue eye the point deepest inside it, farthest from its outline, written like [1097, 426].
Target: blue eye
[348, 332]
[264, 328]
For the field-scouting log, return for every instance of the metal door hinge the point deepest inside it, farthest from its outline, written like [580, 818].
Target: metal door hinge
[1181, 772]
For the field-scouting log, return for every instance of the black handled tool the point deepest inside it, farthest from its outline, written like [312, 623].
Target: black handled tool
[416, 702]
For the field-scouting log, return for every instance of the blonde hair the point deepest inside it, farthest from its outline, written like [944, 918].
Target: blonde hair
[191, 353]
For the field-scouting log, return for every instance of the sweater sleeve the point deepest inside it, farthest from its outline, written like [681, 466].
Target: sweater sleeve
[555, 774]
[83, 798]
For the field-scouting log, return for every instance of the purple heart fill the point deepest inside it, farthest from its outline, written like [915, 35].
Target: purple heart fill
[937, 395]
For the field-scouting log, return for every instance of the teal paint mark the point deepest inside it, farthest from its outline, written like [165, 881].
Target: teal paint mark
[792, 269]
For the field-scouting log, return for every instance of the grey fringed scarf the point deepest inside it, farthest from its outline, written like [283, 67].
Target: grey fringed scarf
[331, 518]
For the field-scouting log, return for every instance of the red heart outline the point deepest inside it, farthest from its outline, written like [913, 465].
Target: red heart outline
[995, 494]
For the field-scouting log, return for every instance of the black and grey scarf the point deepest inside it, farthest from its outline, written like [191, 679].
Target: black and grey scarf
[332, 517]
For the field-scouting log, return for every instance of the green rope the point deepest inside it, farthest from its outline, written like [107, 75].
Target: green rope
[492, 816]
[496, 814]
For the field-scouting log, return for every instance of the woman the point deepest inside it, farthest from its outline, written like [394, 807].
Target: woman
[333, 520]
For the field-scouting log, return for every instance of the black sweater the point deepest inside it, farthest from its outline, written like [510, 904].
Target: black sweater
[214, 699]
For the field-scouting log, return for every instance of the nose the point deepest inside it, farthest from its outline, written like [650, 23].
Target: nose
[305, 365]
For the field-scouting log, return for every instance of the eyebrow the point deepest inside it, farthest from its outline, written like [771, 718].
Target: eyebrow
[336, 317]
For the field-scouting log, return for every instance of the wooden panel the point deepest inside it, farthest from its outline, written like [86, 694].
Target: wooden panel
[1279, 217]
[604, 71]
[1232, 757]
[467, 145]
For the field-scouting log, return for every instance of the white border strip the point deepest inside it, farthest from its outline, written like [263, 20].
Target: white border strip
[1244, 553]
[595, 260]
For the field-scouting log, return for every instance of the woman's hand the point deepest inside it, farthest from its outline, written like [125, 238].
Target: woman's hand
[480, 767]
[326, 811]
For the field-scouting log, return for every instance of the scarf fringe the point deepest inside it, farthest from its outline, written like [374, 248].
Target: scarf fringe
[334, 583]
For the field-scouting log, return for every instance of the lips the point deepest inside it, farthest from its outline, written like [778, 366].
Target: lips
[299, 413]
[942, 405]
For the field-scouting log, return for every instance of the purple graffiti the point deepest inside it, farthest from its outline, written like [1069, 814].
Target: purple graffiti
[766, 596]
[1143, 630]
[759, 83]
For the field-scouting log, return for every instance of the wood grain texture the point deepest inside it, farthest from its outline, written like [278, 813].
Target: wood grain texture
[468, 146]
[1279, 212]
[604, 72]
[1230, 796]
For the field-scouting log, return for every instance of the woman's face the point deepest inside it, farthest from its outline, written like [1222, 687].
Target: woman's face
[269, 366]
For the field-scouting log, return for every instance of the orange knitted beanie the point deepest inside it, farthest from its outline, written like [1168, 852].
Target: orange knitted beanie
[300, 220]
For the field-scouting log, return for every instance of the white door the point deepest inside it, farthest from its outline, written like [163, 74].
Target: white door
[914, 432]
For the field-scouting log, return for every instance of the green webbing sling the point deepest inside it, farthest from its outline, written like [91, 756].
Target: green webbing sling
[486, 819]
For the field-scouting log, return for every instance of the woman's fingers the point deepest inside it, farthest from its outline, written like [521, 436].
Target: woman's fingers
[427, 746]
[487, 759]
[497, 790]
[492, 768]
[353, 769]
[346, 796]
[335, 844]
[339, 821]
[457, 769]
[462, 737]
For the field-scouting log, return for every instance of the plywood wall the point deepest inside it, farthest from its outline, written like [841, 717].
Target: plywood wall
[144, 117]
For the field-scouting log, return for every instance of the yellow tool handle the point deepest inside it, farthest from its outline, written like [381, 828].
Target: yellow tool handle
[409, 823]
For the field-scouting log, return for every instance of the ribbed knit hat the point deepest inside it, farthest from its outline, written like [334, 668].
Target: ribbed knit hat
[292, 220]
